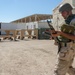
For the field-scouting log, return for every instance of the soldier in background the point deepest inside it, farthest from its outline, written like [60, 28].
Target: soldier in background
[67, 52]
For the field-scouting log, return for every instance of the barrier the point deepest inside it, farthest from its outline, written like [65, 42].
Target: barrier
[19, 33]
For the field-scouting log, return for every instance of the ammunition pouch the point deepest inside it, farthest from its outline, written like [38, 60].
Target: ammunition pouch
[69, 29]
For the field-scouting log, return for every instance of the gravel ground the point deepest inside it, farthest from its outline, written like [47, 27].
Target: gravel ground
[27, 57]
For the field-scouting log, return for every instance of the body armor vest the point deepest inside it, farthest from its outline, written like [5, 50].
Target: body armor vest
[67, 28]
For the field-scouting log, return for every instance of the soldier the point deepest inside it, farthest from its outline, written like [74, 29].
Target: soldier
[67, 51]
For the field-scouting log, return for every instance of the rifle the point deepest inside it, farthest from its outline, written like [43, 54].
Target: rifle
[52, 28]
[55, 38]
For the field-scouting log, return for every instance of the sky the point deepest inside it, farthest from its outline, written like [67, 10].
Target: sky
[11, 10]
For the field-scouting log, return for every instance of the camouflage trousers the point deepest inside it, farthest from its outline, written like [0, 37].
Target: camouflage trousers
[65, 60]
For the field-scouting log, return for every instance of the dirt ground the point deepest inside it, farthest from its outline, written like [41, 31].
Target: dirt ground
[27, 57]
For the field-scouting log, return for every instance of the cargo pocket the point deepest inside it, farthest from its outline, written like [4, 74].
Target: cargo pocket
[66, 54]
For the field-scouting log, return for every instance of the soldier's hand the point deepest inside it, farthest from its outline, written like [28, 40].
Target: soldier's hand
[52, 31]
[57, 33]
[51, 38]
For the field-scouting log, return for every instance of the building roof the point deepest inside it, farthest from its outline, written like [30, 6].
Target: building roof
[33, 18]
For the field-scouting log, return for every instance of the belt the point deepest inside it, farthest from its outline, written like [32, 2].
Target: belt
[68, 41]
[65, 43]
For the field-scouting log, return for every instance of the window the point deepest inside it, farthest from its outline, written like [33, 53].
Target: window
[34, 26]
[27, 27]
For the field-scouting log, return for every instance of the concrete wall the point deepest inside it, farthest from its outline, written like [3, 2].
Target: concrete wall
[31, 25]
[35, 25]
[6, 26]
[21, 25]
[73, 3]
[43, 25]
[57, 19]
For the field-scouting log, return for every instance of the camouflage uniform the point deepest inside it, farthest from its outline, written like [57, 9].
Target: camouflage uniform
[66, 55]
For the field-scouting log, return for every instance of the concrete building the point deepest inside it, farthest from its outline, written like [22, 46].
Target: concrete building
[30, 22]
[57, 18]
[35, 21]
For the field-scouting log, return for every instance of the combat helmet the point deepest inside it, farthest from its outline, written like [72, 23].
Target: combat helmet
[65, 7]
